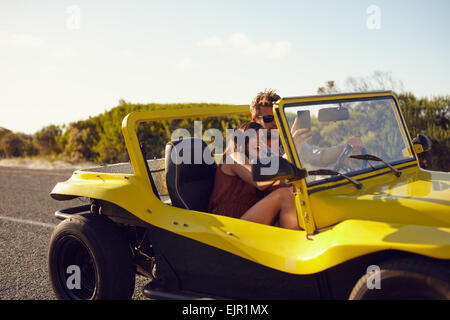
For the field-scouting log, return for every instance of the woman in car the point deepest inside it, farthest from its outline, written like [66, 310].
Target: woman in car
[235, 192]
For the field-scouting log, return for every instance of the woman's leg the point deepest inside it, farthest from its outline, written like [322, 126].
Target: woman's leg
[278, 201]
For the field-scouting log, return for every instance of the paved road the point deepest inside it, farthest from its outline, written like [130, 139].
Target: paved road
[26, 224]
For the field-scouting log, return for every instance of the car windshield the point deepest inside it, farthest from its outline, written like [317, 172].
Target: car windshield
[368, 126]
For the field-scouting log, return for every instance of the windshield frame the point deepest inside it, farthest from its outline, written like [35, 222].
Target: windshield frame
[344, 98]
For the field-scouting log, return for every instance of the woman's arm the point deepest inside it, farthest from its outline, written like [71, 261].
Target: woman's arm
[244, 171]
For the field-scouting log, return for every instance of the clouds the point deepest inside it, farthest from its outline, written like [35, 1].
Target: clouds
[236, 44]
[240, 43]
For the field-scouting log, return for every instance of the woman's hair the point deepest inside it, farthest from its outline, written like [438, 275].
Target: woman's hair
[236, 145]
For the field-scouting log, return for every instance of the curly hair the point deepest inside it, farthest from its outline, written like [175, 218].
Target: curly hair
[265, 98]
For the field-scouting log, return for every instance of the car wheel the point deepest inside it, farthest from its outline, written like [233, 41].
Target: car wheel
[405, 279]
[90, 259]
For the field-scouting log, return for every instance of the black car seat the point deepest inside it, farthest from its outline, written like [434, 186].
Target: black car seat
[190, 173]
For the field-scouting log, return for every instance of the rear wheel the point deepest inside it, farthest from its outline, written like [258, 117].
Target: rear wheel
[90, 259]
[405, 279]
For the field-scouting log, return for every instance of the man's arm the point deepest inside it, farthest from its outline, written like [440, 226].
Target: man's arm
[322, 157]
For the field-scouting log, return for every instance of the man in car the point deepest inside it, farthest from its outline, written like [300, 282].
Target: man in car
[261, 110]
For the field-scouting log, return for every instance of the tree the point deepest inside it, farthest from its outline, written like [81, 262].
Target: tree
[378, 81]
[46, 140]
[12, 145]
[3, 131]
[330, 87]
[80, 140]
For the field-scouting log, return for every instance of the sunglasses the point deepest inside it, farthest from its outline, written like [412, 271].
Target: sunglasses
[267, 118]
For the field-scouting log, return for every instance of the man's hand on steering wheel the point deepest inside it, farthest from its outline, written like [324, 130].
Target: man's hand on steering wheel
[353, 145]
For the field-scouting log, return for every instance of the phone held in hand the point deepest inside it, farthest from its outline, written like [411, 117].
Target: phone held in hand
[304, 120]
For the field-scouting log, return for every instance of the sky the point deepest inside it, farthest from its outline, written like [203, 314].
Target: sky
[63, 61]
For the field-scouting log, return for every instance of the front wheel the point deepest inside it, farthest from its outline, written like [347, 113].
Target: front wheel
[405, 279]
[90, 259]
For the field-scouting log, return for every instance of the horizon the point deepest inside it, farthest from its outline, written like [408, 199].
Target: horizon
[63, 126]
[70, 60]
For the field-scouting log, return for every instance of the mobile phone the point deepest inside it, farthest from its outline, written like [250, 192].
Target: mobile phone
[303, 119]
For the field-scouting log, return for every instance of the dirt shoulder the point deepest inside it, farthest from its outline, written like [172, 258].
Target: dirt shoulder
[43, 164]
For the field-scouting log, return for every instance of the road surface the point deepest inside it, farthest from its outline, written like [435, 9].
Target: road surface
[26, 224]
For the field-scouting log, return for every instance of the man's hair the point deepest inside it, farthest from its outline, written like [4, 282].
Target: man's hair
[265, 98]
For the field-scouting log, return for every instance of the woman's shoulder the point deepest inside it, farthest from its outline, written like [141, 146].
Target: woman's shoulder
[233, 163]
[235, 158]
[226, 169]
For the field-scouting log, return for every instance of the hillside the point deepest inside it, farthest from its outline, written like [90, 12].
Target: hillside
[99, 139]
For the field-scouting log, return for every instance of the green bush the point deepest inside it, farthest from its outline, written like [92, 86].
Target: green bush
[432, 118]
[46, 140]
[12, 145]
[3, 131]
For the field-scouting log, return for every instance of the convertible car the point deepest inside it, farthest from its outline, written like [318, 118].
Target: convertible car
[373, 224]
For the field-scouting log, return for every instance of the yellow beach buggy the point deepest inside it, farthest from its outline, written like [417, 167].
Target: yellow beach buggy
[374, 225]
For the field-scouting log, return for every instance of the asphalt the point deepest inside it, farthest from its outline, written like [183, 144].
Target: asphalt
[26, 223]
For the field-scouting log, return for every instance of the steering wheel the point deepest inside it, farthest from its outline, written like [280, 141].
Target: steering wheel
[340, 160]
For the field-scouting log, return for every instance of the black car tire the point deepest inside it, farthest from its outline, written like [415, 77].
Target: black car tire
[98, 248]
[406, 279]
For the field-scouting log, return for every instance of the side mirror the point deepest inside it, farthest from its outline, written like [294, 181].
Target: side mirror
[421, 141]
[276, 168]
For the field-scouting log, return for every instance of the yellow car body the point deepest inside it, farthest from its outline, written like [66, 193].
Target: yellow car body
[395, 215]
